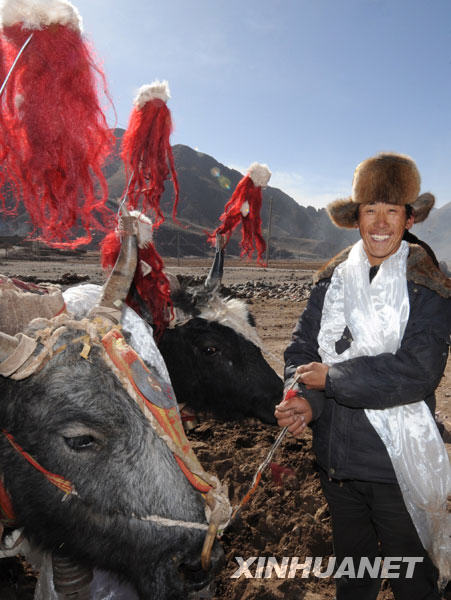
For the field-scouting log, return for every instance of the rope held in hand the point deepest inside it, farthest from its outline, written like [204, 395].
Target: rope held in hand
[258, 474]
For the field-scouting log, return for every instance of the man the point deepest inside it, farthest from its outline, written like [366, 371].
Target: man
[368, 353]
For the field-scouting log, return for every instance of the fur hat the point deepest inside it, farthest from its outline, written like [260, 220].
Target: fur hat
[391, 178]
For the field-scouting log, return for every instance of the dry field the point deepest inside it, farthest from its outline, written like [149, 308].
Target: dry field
[288, 515]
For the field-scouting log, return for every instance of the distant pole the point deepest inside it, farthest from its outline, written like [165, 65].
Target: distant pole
[269, 230]
[178, 248]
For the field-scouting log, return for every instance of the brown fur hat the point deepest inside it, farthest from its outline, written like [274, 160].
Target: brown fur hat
[391, 178]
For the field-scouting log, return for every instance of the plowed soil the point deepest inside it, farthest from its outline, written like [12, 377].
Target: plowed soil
[287, 516]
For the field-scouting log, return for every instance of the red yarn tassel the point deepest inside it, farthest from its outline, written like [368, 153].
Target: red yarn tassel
[109, 250]
[291, 394]
[57, 135]
[5, 53]
[154, 289]
[147, 153]
[236, 210]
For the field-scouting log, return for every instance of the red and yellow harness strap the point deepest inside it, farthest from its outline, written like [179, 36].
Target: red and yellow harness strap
[61, 483]
[7, 515]
[124, 359]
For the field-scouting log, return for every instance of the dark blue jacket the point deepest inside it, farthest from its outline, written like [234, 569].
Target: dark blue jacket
[345, 443]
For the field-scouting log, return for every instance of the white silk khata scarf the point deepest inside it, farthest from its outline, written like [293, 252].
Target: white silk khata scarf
[376, 314]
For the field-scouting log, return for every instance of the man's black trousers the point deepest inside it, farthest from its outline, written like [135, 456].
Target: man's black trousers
[370, 520]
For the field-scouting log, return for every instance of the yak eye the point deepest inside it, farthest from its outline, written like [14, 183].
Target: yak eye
[80, 442]
[209, 350]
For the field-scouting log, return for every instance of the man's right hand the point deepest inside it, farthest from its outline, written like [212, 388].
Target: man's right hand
[294, 413]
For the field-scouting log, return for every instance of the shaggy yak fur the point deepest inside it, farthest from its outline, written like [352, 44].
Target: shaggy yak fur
[214, 360]
[77, 421]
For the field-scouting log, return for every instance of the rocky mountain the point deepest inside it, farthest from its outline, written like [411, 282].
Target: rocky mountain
[436, 232]
[206, 185]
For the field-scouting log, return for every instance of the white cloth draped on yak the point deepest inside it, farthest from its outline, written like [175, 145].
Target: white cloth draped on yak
[376, 314]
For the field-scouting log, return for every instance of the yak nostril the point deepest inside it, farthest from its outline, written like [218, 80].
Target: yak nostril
[193, 573]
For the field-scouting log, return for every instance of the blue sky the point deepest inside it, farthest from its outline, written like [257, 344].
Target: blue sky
[310, 87]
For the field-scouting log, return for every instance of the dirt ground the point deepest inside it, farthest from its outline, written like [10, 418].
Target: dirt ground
[288, 515]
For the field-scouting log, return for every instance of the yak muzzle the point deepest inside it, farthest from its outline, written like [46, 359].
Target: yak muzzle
[195, 576]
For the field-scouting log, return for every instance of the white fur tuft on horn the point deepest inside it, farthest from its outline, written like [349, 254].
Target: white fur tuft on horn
[145, 230]
[260, 174]
[156, 90]
[36, 14]
[232, 313]
[245, 208]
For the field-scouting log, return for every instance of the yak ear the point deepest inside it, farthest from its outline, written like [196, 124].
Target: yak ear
[174, 283]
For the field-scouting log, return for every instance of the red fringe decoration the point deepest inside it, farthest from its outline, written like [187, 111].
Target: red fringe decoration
[290, 394]
[110, 247]
[153, 288]
[57, 134]
[4, 59]
[146, 152]
[251, 236]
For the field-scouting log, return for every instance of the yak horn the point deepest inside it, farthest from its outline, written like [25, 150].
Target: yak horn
[71, 580]
[14, 351]
[173, 283]
[205, 557]
[214, 277]
[118, 284]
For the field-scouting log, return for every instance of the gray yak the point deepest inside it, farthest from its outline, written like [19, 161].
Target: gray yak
[85, 469]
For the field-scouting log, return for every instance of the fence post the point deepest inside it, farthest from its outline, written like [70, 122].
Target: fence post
[269, 230]
[178, 248]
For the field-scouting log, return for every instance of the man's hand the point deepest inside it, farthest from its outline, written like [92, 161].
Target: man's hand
[295, 413]
[313, 375]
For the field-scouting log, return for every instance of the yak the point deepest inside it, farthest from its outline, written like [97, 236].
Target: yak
[83, 470]
[214, 356]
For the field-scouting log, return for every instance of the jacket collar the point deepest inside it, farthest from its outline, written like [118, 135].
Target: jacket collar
[420, 270]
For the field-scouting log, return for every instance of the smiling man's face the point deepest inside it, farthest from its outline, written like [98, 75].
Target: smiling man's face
[381, 227]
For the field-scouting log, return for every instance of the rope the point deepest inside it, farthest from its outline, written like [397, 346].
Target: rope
[172, 522]
[258, 474]
[61, 483]
[122, 202]
[19, 54]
